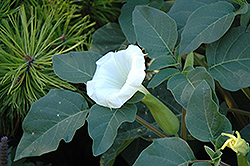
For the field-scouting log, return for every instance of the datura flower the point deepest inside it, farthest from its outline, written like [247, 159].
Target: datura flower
[237, 144]
[118, 77]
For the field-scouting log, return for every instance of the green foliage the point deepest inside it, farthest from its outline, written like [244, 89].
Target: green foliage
[101, 11]
[107, 38]
[199, 50]
[103, 124]
[54, 117]
[69, 66]
[232, 68]
[28, 40]
[166, 151]
[155, 30]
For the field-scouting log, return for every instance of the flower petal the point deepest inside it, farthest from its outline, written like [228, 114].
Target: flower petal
[118, 77]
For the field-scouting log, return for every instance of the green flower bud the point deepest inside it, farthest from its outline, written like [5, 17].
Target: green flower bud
[165, 118]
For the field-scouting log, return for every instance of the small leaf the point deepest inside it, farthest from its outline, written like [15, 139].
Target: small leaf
[203, 119]
[125, 19]
[189, 63]
[54, 117]
[75, 67]
[162, 62]
[107, 38]
[166, 151]
[155, 31]
[104, 122]
[161, 76]
[207, 24]
[183, 86]
[229, 59]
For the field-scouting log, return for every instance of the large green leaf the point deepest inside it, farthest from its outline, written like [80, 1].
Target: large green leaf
[182, 9]
[104, 122]
[125, 19]
[108, 38]
[203, 119]
[166, 151]
[75, 67]
[54, 117]
[206, 24]
[229, 59]
[183, 86]
[155, 31]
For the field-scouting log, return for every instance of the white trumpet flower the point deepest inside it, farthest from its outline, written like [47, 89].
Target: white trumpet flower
[118, 77]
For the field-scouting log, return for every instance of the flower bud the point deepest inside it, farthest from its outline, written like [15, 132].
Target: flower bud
[165, 118]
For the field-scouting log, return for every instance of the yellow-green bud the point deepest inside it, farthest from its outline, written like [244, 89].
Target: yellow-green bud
[165, 118]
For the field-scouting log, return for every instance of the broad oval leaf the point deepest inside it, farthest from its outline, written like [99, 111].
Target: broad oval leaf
[166, 151]
[52, 118]
[155, 31]
[125, 19]
[203, 119]
[107, 38]
[206, 24]
[229, 59]
[104, 122]
[183, 86]
[75, 67]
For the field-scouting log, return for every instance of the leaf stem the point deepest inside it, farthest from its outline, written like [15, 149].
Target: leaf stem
[231, 104]
[183, 125]
[246, 91]
[151, 127]
[239, 111]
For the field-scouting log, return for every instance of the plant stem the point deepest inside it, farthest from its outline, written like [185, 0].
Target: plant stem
[246, 92]
[183, 125]
[149, 126]
[231, 104]
[242, 112]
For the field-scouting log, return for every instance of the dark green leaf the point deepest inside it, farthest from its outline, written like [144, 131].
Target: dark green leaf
[136, 98]
[229, 59]
[183, 86]
[108, 38]
[54, 117]
[161, 76]
[203, 119]
[156, 4]
[245, 133]
[104, 122]
[119, 145]
[201, 164]
[155, 31]
[166, 151]
[182, 9]
[207, 24]
[161, 62]
[75, 67]
[125, 19]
